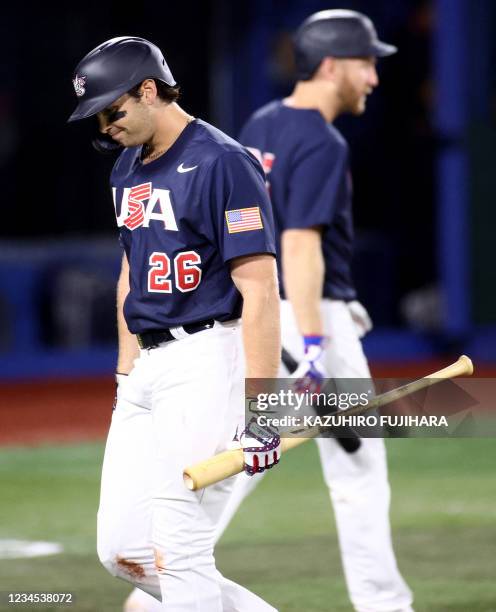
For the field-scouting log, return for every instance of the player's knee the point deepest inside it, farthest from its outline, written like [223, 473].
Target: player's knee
[105, 547]
[107, 558]
[116, 562]
[123, 565]
[124, 559]
[359, 477]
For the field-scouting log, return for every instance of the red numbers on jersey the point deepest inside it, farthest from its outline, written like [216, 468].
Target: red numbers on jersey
[186, 272]
[159, 273]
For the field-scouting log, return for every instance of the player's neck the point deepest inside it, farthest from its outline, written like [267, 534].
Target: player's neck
[315, 95]
[170, 123]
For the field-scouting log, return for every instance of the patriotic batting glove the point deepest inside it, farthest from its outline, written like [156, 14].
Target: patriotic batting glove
[261, 447]
[311, 373]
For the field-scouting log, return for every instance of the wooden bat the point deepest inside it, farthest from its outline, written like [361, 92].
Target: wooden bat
[231, 462]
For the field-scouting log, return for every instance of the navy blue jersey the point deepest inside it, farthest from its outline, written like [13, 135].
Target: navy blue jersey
[182, 218]
[307, 168]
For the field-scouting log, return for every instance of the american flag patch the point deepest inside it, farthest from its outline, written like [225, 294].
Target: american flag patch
[243, 219]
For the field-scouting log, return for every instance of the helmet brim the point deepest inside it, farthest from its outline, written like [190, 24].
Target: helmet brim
[88, 108]
[381, 49]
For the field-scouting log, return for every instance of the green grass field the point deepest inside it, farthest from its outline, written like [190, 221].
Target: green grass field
[282, 544]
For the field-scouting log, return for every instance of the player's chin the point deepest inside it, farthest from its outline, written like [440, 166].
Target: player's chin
[125, 140]
[119, 137]
[360, 106]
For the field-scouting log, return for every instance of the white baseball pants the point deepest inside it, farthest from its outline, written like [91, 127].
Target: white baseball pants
[358, 482]
[181, 404]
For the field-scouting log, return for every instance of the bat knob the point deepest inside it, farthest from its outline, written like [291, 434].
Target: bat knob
[189, 482]
[468, 365]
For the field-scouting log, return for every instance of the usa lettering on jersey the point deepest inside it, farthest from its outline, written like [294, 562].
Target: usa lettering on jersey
[142, 204]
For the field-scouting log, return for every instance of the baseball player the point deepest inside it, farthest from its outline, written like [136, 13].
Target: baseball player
[197, 232]
[306, 161]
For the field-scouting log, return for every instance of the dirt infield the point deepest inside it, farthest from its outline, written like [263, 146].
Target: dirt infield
[80, 409]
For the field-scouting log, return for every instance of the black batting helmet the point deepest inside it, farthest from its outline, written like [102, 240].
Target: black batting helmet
[336, 33]
[112, 69]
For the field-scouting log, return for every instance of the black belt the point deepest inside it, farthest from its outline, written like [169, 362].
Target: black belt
[153, 339]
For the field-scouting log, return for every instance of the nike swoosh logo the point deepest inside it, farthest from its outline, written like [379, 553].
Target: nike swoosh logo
[182, 169]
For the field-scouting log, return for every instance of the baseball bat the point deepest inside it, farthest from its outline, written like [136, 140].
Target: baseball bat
[231, 462]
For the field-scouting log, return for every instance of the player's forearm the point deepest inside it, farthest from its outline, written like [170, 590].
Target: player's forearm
[128, 345]
[261, 333]
[257, 282]
[303, 275]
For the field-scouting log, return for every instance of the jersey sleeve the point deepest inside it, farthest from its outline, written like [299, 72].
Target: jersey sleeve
[241, 220]
[316, 185]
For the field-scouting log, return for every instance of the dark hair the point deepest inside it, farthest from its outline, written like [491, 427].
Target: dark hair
[165, 92]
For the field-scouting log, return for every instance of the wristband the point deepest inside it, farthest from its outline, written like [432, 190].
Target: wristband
[313, 340]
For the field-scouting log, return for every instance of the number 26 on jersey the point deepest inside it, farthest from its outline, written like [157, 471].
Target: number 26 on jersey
[186, 277]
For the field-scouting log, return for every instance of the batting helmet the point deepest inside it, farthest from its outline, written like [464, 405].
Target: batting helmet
[112, 69]
[336, 33]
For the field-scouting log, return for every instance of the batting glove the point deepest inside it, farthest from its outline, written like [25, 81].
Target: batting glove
[311, 373]
[261, 447]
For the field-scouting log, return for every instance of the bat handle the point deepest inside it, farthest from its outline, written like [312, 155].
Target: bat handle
[350, 444]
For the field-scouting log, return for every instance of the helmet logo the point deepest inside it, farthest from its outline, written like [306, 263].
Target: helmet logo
[78, 83]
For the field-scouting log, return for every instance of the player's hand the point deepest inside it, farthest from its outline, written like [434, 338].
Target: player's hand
[261, 447]
[361, 318]
[311, 373]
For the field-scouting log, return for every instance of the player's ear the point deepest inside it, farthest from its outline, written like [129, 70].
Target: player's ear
[328, 68]
[148, 91]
